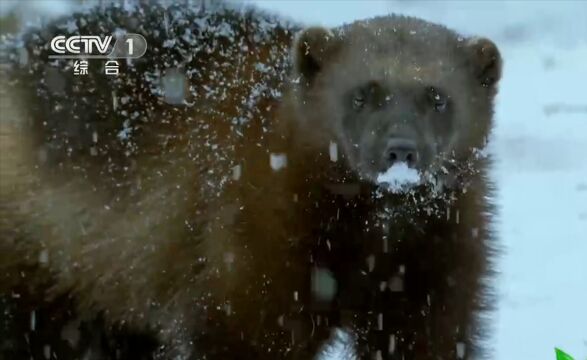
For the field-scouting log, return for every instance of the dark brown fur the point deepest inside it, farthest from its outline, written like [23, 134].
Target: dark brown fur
[183, 229]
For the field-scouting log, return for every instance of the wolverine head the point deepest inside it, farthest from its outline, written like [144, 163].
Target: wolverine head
[396, 90]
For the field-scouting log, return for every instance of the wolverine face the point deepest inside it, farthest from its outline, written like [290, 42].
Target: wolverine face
[385, 123]
[391, 95]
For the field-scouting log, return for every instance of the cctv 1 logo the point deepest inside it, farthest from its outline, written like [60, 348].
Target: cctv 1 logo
[126, 46]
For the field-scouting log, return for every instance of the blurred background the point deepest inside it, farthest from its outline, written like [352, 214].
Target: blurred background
[539, 142]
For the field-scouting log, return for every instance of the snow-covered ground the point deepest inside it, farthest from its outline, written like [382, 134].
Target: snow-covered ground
[540, 141]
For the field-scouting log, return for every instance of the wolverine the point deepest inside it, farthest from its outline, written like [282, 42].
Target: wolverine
[228, 194]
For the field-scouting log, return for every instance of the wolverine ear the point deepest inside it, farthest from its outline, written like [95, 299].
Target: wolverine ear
[313, 48]
[485, 61]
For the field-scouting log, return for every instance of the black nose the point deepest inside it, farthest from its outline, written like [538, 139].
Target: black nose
[402, 150]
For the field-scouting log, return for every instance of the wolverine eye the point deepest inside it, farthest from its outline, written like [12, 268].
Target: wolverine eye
[438, 100]
[358, 101]
[440, 105]
[370, 95]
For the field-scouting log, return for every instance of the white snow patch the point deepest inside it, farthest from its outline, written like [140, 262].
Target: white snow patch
[323, 284]
[339, 347]
[333, 151]
[391, 347]
[461, 350]
[396, 284]
[174, 86]
[33, 320]
[399, 177]
[70, 26]
[169, 43]
[44, 257]
[278, 161]
[236, 172]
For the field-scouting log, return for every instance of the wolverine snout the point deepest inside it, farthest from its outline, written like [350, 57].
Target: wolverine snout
[401, 150]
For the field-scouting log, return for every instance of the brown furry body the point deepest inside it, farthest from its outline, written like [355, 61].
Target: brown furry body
[167, 216]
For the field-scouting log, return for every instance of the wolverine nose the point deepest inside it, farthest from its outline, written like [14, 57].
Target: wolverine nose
[402, 150]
